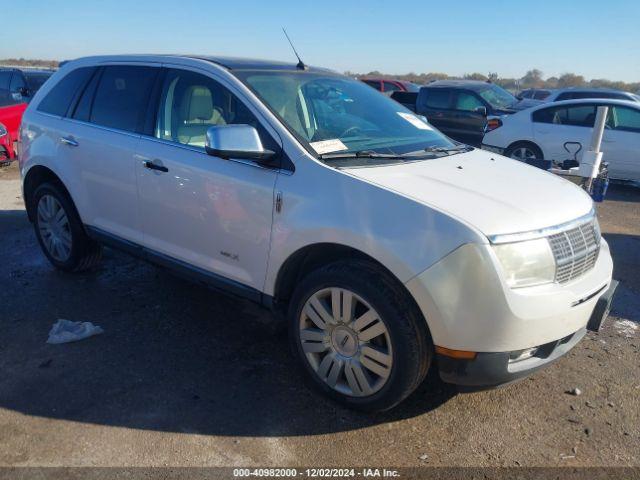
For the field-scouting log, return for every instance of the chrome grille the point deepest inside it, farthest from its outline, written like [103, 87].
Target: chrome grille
[575, 250]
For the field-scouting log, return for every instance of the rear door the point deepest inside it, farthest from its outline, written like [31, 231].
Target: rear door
[100, 138]
[436, 104]
[559, 126]
[621, 142]
[212, 215]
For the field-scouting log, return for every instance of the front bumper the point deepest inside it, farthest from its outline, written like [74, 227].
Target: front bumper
[491, 369]
[469, 307]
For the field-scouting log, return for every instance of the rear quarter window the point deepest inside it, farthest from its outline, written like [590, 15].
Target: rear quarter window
[59, 98]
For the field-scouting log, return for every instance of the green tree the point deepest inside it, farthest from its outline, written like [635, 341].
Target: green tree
[532, 79]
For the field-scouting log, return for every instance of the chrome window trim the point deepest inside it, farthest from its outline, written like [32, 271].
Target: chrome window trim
[541, 233]
[101, 127]
[202, 151]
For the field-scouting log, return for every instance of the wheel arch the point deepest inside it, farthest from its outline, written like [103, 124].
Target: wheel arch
[36, 176]
[311, 257]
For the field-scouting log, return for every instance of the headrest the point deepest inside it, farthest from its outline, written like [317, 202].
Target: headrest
[197, 104]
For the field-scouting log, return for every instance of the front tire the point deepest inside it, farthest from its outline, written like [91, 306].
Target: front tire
[358, 335]
[60, 232]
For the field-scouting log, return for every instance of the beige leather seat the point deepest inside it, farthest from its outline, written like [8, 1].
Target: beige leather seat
[197, 114]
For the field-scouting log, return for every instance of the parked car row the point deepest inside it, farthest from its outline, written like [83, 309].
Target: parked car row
[546, 131]
[17, 88]
[20, 85]
[460, 108]
[537, 126]
[557, 95]
[388, 86]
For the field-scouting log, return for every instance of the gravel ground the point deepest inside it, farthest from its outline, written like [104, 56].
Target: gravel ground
[184, 376]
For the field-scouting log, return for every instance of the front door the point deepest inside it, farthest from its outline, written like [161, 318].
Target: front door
[469, 123]
[211, 214]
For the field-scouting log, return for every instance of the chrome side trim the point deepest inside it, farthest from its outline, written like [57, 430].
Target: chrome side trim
[541, 233]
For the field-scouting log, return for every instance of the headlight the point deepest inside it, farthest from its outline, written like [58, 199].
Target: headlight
[3, 130]
[527, 263]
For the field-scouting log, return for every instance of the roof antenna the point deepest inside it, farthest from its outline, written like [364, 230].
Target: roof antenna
[300, 65]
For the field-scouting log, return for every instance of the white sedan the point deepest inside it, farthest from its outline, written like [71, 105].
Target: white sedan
[542, 132]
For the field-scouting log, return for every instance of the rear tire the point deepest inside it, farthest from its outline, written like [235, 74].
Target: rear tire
[373, 350]
[60, 231]
[523, 151]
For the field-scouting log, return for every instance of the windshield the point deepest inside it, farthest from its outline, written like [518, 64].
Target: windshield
[331, 114]
[497, 97]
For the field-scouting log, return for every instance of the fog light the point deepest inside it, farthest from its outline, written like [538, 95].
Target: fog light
[520, 355]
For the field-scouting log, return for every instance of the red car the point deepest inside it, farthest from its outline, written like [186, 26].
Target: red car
[10, 117]
[388, 86]
[7, 153]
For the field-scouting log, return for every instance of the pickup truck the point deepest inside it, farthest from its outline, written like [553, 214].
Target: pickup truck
[462, 109]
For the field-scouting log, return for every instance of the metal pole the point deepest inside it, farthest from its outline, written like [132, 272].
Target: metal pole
[598, 129]
[590, 162]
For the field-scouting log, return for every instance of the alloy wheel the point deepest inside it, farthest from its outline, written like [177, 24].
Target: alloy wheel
[54, 228]
[523, 153]
[345, 341]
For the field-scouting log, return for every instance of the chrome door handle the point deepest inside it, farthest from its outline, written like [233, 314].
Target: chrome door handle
[69, 141]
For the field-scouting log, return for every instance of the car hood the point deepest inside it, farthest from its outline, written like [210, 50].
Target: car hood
[494, 194]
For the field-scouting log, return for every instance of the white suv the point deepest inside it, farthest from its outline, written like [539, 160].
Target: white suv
[385, 244]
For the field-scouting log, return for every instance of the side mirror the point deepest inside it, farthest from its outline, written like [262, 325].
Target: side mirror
[24, 91]
[236, 141]
[481, 111]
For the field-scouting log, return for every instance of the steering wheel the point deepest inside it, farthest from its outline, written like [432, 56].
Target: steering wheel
[349, 130]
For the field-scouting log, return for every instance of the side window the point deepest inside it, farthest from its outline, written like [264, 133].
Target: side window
[467, 102]
[5, 96]
[190, 103]
[373, 83]
[83, 108]
[541, 94]
[564, 96]
[557, 115]
[624, 118]
[581, 115]
[122, 95]
[438, 98]
[390, 87]
[17, 83]
[5, 78]
[60, 96]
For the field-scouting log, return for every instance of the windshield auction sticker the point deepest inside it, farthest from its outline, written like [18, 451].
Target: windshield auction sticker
[415, 121]
[328, 146]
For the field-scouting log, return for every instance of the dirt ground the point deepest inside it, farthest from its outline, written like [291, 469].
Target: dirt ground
[183, 376]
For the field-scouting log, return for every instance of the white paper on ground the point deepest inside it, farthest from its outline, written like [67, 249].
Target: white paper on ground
[415, 121]
[64, 331]
[328, 146]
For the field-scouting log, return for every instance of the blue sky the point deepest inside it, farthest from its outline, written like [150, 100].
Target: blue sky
[594, 39]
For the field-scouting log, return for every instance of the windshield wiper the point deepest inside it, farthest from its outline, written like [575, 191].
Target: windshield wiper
[360, 154]
[449, 150]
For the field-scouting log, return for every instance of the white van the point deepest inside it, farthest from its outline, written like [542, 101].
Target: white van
[389, 247]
